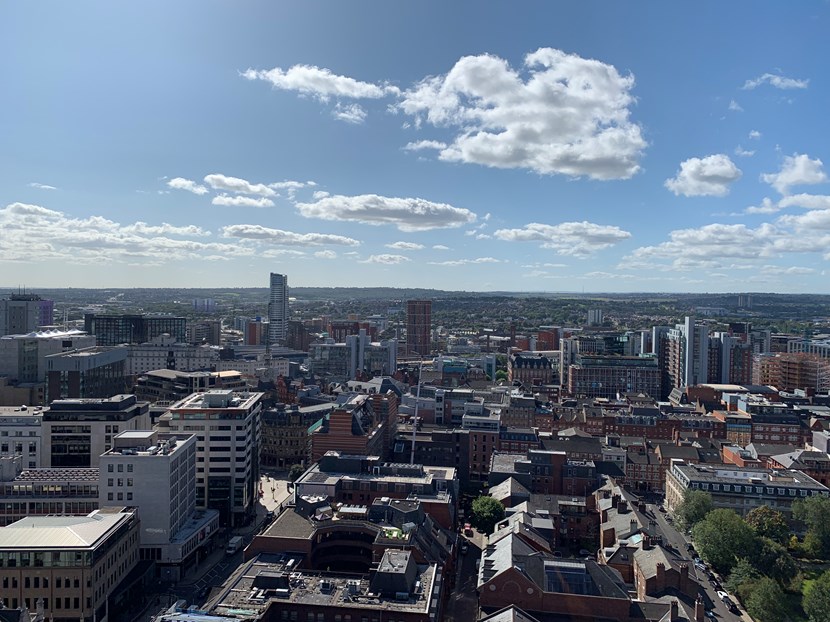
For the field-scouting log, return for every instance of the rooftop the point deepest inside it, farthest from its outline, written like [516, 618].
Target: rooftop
[62, 532]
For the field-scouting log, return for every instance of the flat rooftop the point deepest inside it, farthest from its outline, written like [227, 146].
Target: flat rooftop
[35, 533]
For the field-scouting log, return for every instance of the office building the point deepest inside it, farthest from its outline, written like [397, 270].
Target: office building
[75, 565]
[227, 451]
[610, 376]
[163, 352]
[86, 373]
[77, 431]
[165, 386]
[157, 473]
[23, 357]
[355, 359]
[530, 368]
[278, 309]
[363, 425]
[595, 317]
[419, 327]
[24, 313]
[21, 434]
[113, 330]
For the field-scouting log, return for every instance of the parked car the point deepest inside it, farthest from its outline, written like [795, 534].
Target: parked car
[662, 509]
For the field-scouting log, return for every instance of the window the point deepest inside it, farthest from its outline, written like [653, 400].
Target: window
[110, 469]
[120, 468]
[129, 468]
[109, 498]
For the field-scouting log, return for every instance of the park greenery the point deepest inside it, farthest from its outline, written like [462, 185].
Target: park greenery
[767, 567]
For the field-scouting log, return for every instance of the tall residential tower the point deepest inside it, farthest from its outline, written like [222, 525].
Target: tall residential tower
[418, 326]
[278, 309]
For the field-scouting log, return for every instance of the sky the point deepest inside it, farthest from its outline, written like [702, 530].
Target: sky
[478, 146]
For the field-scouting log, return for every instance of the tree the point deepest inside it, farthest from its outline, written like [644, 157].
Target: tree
[695, 506]
[773, 560]
[769, 523]
[766, 603]
[742, 579]
[722, 538]
[501, 375]
[814, 512]
[295, 471]
[816, 602]
[487, 511]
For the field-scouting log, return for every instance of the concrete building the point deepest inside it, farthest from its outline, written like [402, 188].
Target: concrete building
[278, 309]
[21, 434]
[163, 352]
[113, 330]
[356, 358]
[686, 354]
[792, 371]
[24, 313]
[419, 327]
[86, 373]
[77, 431]
[609, 376]
[362, 425]
[157, 473]
[23, 357]
[227, 427]
[76, 565]
[741, 489]
[167, 386]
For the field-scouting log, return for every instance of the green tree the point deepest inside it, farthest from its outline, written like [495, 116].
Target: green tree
[816, 602]
[742, 579]
[295, 471]
[773, 560]
[501, 375]
[769, 523]
[722, 538]
[814, 512]
[766, 603]
[487, 511]
[695, 506]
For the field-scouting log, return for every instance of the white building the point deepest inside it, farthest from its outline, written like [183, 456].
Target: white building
[278, 309]
[23, 357]
[157, 473]
[344, 361]
[164, 353]
[227, 451]
[21, 434]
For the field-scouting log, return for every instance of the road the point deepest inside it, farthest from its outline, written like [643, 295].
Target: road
[462, 604]
[676, 541]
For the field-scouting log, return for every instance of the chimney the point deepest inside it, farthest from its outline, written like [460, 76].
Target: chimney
[615, 500]
[660, 579]
[633, 525]
[622, 506]
[674, 614]
[699, 609]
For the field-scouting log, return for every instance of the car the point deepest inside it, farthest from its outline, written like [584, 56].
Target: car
[669, 519]
[711, 614]
[468, 529]
[662, 509]
[690, 547]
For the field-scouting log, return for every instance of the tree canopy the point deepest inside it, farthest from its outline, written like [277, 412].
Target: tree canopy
[769, 523]
[695, 506]
[722, 538]
[814, 512]
[816, 603]
[487, 511]
[295, 471]
[766, 603]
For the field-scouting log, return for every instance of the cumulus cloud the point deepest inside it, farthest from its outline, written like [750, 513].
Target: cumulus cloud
[217, 181]
[180, 183]
[808, 201]
[419, 145]
[466, 262]
[777, 81]
[797, 170]
[754, 134]
[386, 259]
[327, 254]
[36, 233]
[227, 200]
[744, 153]
[567, 238]
[440, 247]
[562, 114]
[407, 214]
[709, 176]
[405, 246]
[786, 271]
[40, 186]
[320, 83]
[285, 238]
[767, 206]
[735, 106]
[350, 113]
[290, 185]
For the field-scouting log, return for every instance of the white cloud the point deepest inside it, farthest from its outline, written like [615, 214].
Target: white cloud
[285, 238]
[36, 233]
[180, 183]
[792, 270]
[809, 223]
[767, 206]
[440, 247]
[289, 185]
[327, 254]
[797, 170]
[227, 200]
[405, 246]
[217, 181]
[778, 81]
[319, 194]
[350, 113]
[425, 144]
[709, 176]
[40, 186]
[735, 106]
[386, 259]
[320, 83]
[569, 116]
[567, 238]
[466, 262]
[744, 153]
[754, 134]
[407, 214]
[808, 201]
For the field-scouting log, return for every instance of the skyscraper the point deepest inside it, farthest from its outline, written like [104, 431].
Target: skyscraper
[418, 326]
[278, 309]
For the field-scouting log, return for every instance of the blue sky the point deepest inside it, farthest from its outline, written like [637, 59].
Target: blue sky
[534, 146]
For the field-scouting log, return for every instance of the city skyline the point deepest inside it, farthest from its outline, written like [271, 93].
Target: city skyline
[587, 147]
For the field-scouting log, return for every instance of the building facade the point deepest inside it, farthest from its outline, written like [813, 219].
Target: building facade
[278, 308]
[419, 327]
[113, 330]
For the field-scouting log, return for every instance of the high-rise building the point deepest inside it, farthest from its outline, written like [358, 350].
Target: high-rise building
[418, 326]
[24, 313]
[278, 309]
[113, 330]
[687, 354]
